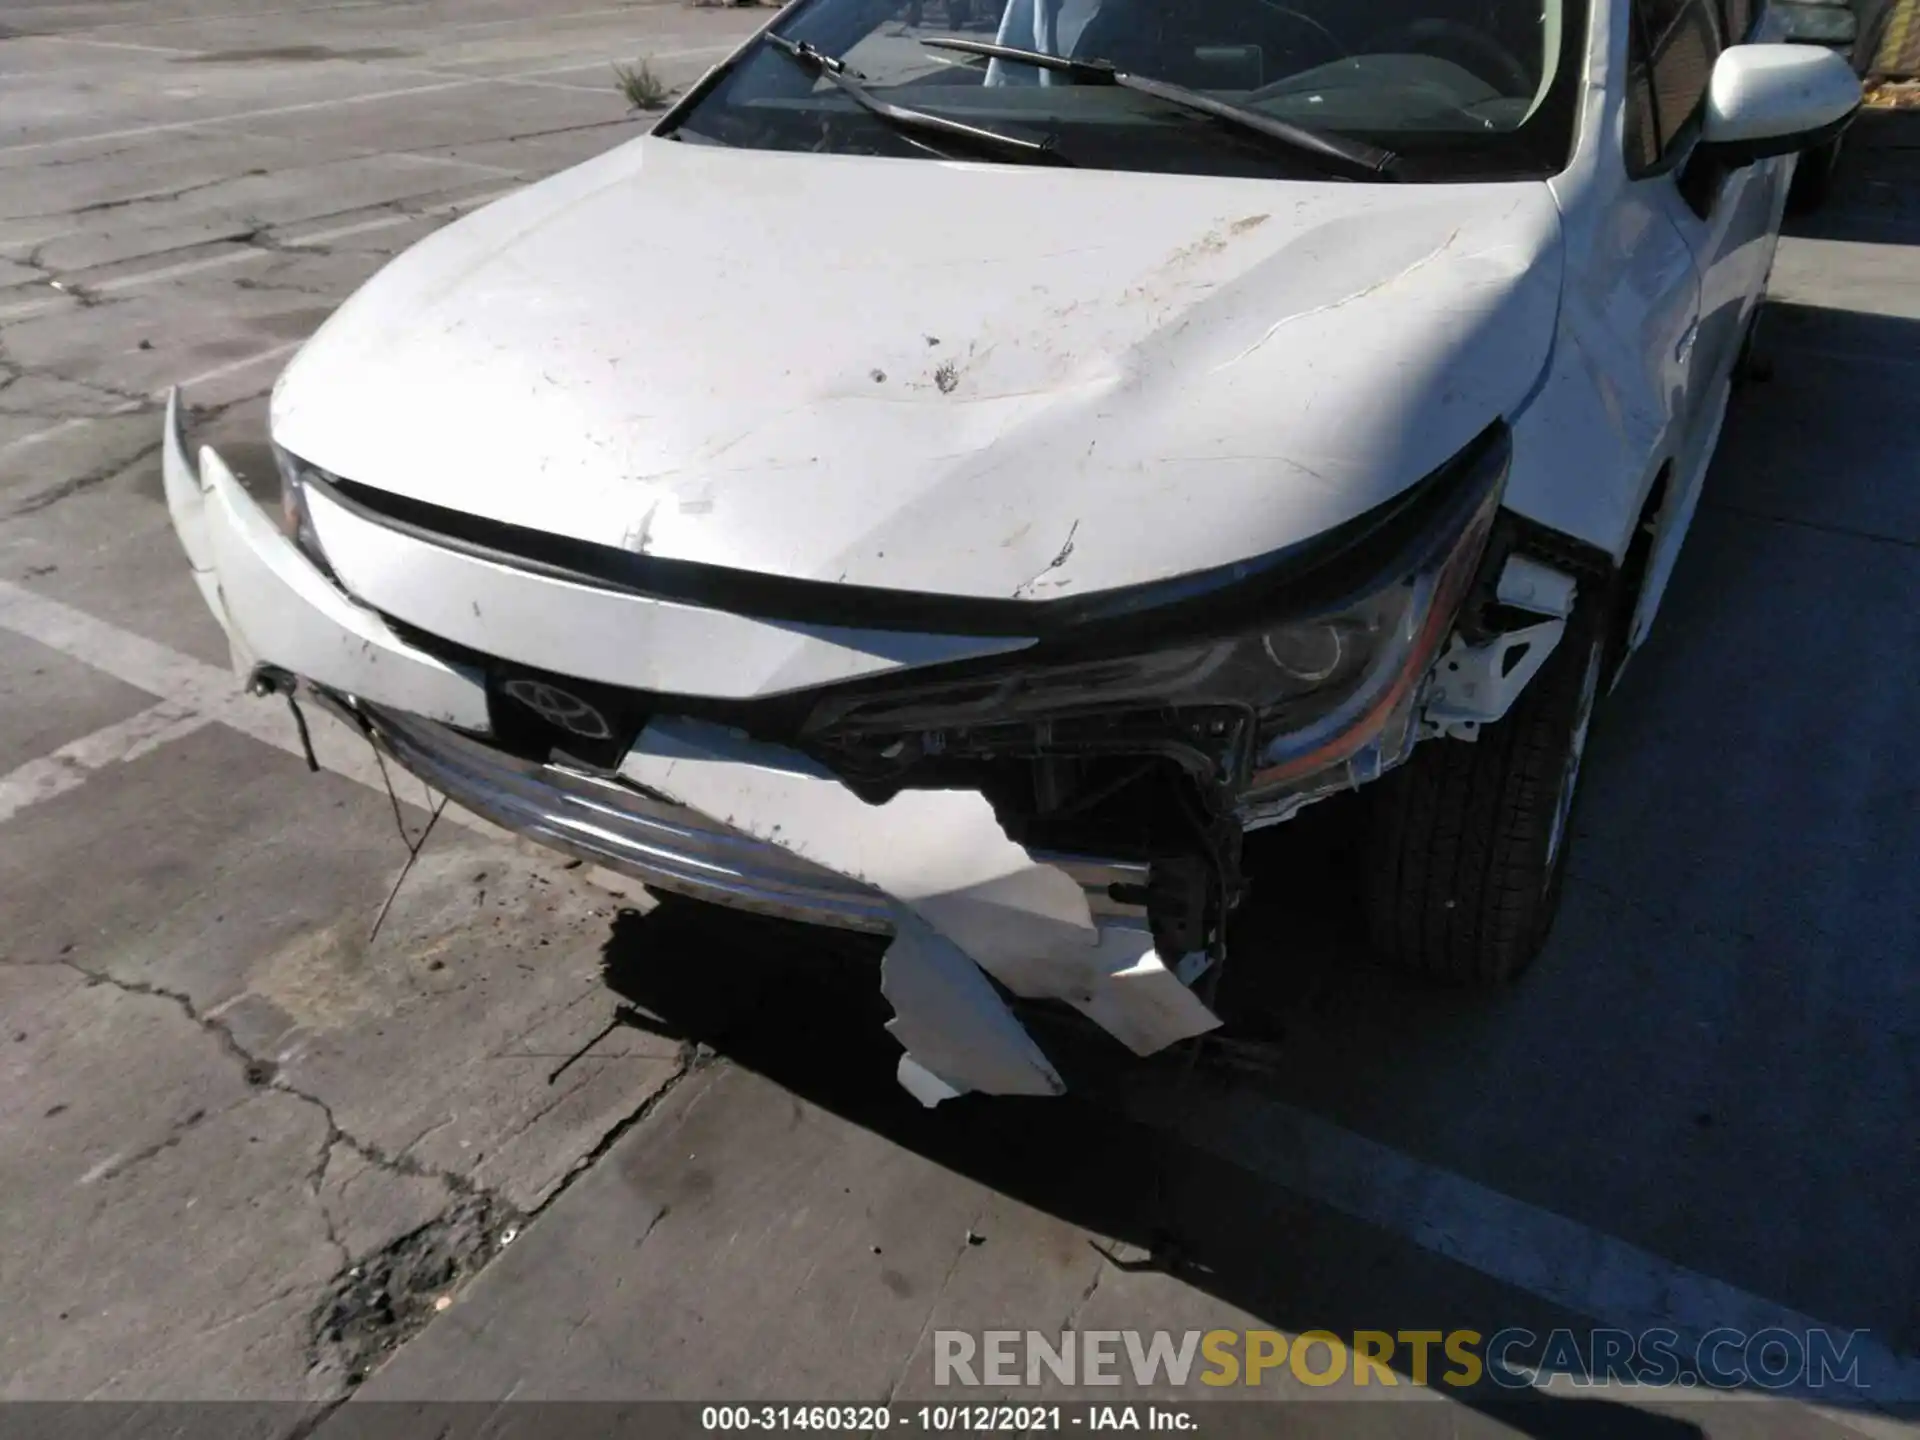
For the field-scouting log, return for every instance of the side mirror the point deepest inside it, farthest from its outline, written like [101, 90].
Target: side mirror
[1767, 100]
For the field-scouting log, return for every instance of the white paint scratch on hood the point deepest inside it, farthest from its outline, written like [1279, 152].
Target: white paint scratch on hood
[966, 892]
[970, 379]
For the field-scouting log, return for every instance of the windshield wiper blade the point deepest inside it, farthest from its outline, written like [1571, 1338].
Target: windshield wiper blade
[1370, 160]
[836, 70]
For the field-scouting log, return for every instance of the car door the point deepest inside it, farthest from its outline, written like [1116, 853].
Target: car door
[1710, 208]
[1727, 220]
[1731, 220]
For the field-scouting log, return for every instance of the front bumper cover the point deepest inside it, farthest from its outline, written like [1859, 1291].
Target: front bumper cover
[667, 846]
[278, 609]
[744, 824]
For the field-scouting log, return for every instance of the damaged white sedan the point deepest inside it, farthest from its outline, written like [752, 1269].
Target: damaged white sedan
[956, 482]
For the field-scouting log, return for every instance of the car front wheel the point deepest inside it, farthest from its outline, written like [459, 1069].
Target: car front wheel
[1466, 842]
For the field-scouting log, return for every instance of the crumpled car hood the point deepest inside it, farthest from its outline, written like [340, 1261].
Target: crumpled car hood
[974, 380]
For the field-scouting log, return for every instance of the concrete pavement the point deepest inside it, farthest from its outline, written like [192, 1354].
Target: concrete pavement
[224, 1102]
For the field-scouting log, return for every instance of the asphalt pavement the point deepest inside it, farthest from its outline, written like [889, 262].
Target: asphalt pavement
[542, 1137]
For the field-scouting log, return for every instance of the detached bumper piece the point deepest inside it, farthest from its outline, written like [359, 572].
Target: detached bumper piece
[966, 896]
[698, 810]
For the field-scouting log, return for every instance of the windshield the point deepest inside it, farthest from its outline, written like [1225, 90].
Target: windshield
[1453, 89]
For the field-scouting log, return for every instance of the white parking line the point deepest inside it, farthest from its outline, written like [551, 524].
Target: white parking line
[196, 17]
[113, 44]
[191, 686]
[415, 71]
[69, 766]
[293, 239]
[1561, 1261]
[60, 427]
[167, 126]
[231, 367]
[692, 54]
[186, 383]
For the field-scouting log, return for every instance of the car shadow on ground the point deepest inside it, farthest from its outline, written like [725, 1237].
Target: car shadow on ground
[1876, 199]
[802, 1008]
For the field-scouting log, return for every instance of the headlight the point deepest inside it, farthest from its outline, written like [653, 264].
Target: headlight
[1295, 696]
[1286, 675]
[294, 517]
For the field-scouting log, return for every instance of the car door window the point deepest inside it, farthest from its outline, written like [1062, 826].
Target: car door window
[1643, 130]
[1675, 45]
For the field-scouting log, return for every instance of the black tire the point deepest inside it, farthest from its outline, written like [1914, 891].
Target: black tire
[1466, 842]
[1813, 178]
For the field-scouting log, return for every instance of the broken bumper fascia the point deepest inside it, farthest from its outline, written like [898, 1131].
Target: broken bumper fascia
[706, 813]
[967, 901]
[279, 610]
[960, 900]
[666, 846]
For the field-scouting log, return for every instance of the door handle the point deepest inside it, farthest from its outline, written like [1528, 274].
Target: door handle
[1683, 349]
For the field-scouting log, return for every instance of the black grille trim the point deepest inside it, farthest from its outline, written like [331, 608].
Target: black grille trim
[1317, 572]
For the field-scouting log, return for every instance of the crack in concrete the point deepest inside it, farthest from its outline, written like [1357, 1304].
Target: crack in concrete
[14, 371]
[93, 159]
[264, 1074]
[85, 297]
[692, 1059]
[316, 1184]
[1073, 1312]
[255, 235]
[360, 1313]
[156, 197]
[150, 1361]
[261, 233]
[207, 414]
[261, 237]
[161, 196]
[285, 287]
[99, 475]
[531, 135]
[257, 1073]
[128, 401]
[374, 1306]
[1801, 522]
[933, 1306]
[556, 1097]
[477, 1221]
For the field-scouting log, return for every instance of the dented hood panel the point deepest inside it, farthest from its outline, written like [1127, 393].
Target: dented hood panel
[966, 379]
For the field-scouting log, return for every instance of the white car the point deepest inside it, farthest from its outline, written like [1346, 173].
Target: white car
[957, 482]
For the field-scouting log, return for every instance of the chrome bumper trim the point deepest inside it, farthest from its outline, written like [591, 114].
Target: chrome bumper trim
[603, 820]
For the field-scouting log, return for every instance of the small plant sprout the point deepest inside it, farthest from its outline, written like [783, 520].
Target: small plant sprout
[642, 85]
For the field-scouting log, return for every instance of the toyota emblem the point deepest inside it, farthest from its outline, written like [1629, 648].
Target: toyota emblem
[560, 708]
